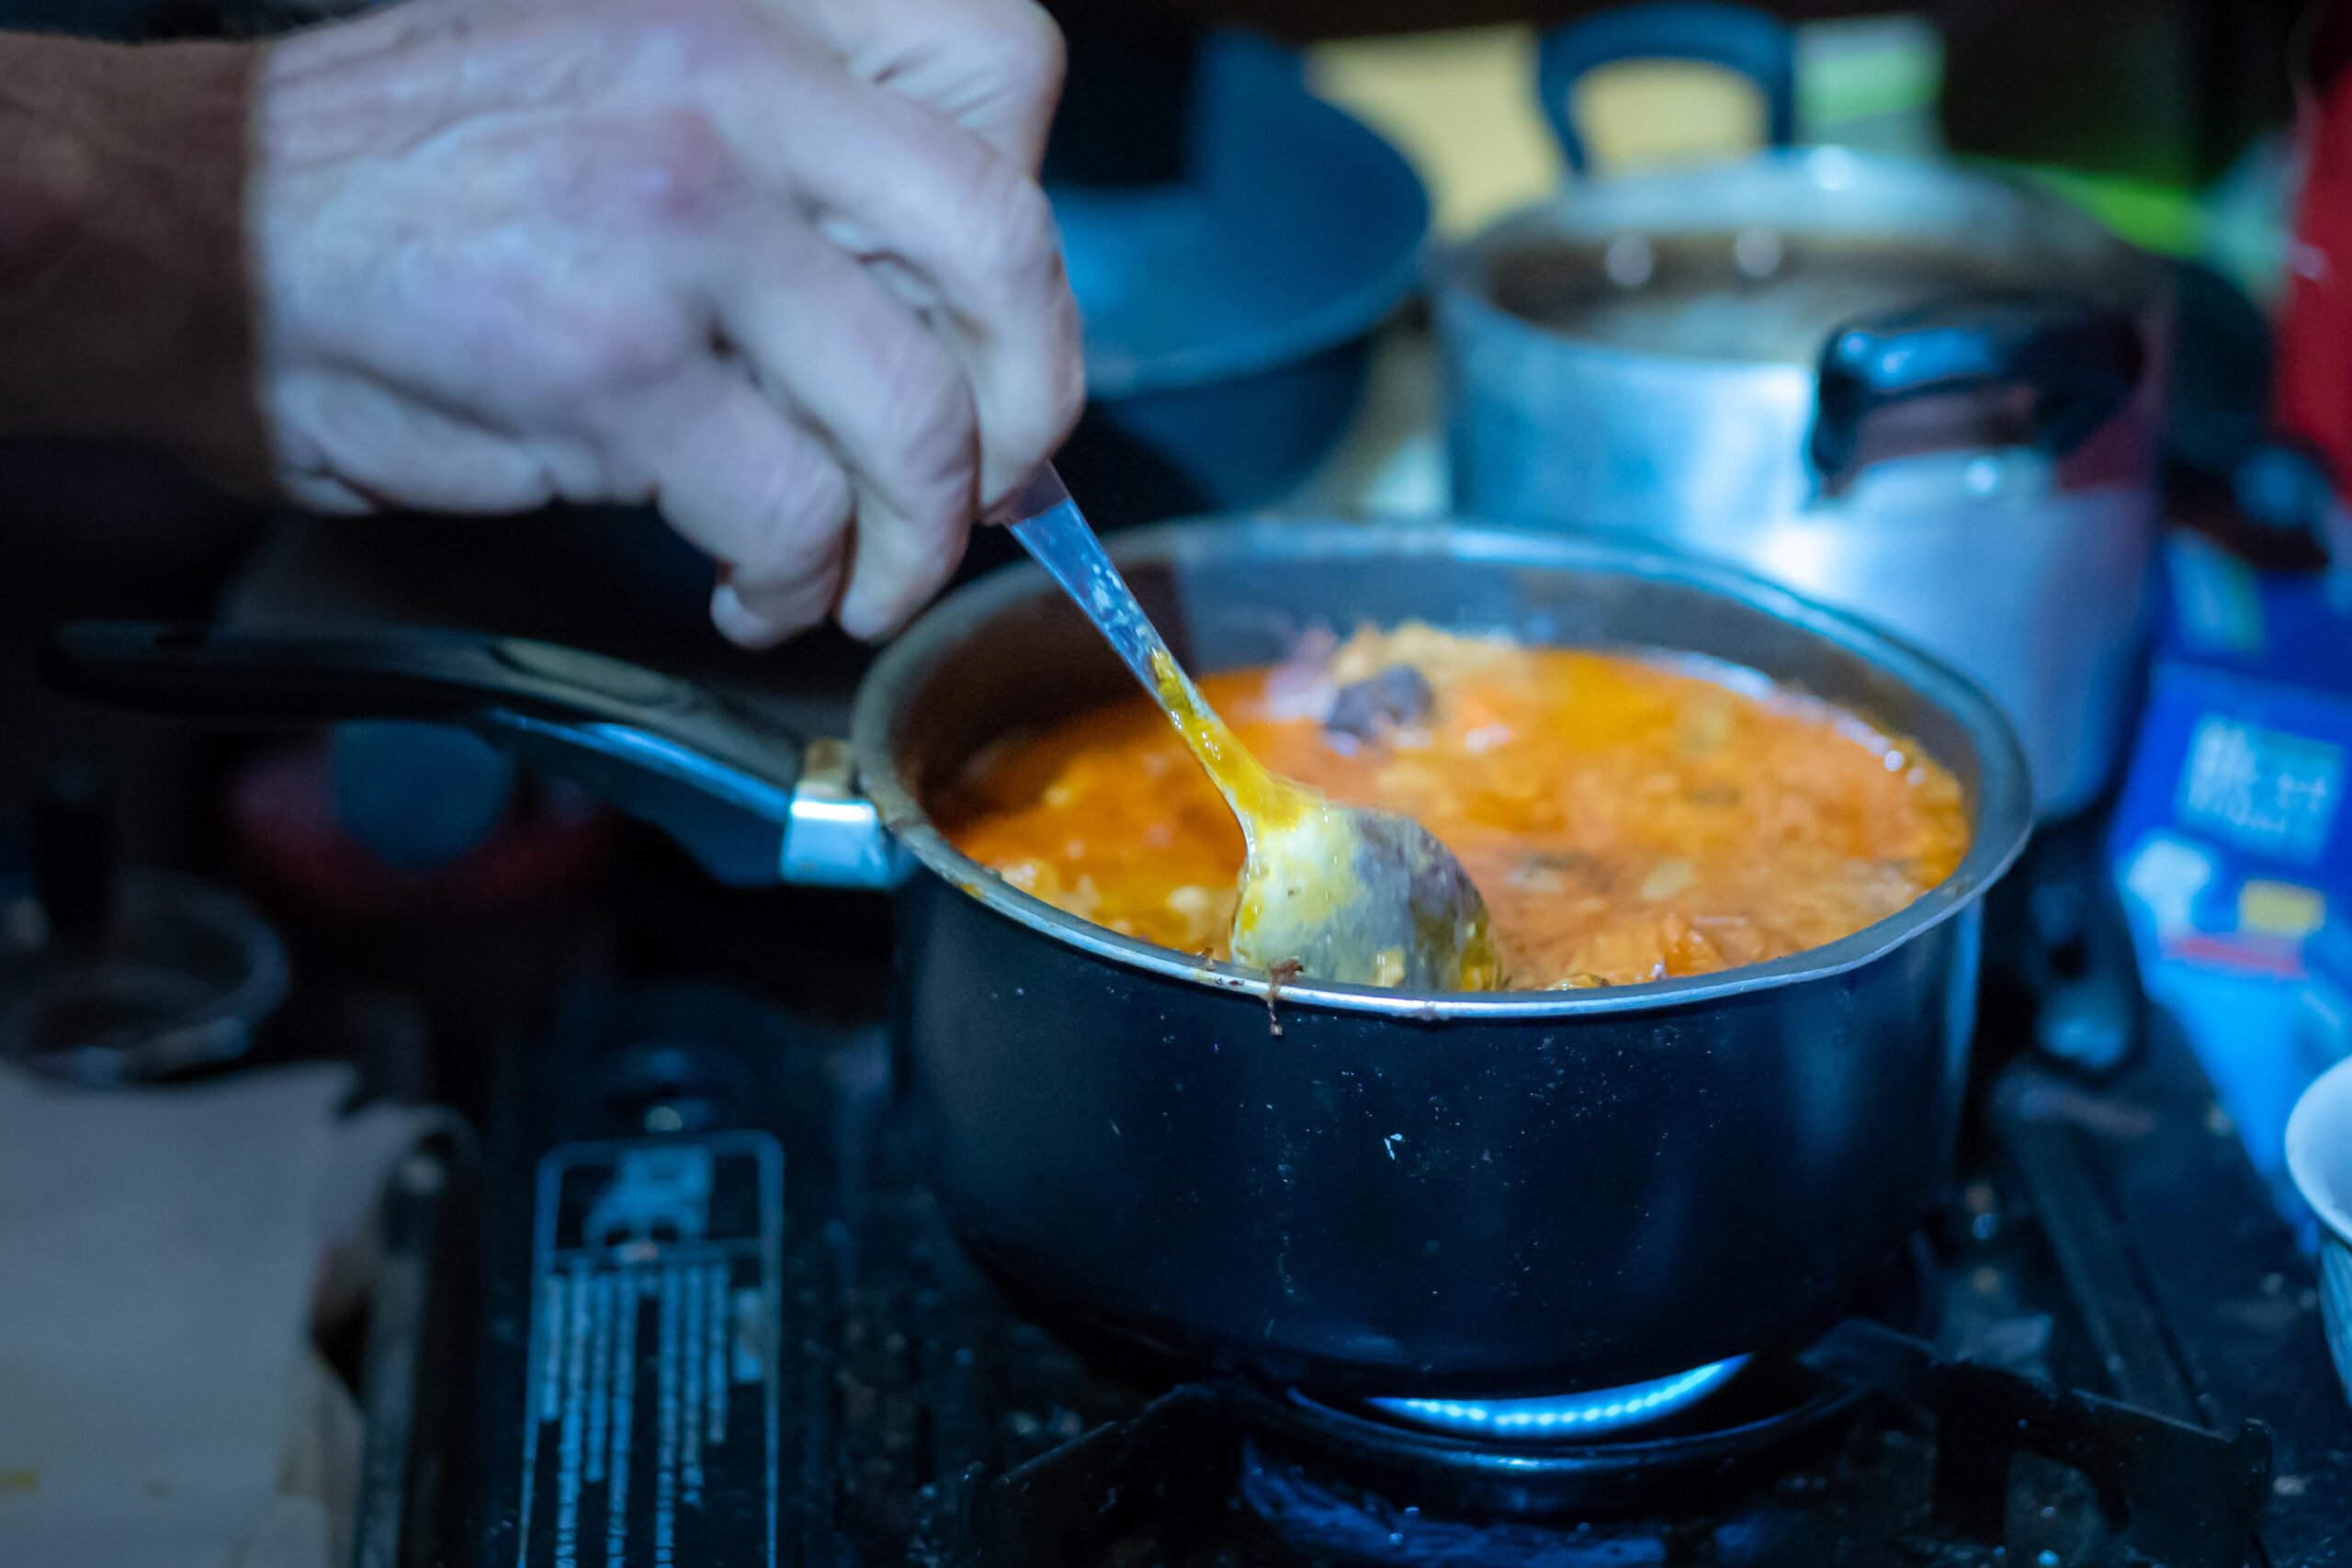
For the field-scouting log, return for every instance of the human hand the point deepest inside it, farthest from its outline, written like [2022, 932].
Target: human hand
[781, 267]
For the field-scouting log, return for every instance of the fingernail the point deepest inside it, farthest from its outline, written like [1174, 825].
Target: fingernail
[862, 619]
[1028, 492]
[875, 603]
[736, 622]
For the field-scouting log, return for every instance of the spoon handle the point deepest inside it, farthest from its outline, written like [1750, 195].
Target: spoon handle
[1049, 526]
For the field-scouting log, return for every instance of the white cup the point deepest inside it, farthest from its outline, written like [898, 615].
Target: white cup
[2319, 1156]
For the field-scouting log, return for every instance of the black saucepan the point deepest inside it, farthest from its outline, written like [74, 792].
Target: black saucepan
[1392, 1194]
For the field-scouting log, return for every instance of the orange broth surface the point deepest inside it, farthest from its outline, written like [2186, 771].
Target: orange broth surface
[1626, 818]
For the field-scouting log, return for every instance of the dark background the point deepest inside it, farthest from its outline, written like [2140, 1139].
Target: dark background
[2164, 89]
[2160, 89]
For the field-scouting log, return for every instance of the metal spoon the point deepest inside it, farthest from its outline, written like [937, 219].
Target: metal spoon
[1347, 894]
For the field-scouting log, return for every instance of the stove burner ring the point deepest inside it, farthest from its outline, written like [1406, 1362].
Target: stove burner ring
[1646, 1446]
[1565, 1416]
[1309, 1464]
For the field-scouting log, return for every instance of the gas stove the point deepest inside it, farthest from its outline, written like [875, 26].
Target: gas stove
[687, 1301]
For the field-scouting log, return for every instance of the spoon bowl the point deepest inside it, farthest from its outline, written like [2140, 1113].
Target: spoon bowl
[1364, 898]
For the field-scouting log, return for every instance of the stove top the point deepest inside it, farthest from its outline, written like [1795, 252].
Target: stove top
[688, 1302]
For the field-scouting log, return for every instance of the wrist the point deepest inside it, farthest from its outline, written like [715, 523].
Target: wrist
[125, 285]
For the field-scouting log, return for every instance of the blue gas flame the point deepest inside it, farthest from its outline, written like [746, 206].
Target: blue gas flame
[1566, 1416]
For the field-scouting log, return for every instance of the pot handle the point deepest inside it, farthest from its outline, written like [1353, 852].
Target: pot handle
[2077, 361]
[1753, 43]
[751, 804]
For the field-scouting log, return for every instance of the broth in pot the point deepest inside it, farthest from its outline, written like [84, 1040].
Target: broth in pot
[1627, 817]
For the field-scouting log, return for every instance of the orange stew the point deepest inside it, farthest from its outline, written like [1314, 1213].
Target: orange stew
[1627, 818]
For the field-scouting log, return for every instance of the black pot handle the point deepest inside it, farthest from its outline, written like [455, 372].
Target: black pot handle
[2078, 360]
[1751, 42]
[705, 770]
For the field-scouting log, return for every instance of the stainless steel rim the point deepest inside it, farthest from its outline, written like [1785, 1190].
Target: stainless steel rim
[1458, 281]
[2004, 801]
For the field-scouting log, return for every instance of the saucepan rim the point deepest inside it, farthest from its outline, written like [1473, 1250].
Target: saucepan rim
[2003, 799]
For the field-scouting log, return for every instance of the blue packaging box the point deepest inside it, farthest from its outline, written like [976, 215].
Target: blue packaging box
[2232, 845]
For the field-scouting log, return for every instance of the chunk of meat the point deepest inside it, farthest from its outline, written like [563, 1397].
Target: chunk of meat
[1398, 696]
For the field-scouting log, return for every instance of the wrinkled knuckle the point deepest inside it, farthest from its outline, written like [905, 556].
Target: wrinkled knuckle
[818, 511]
[804, 512]
[925, 424]
[1013, 235]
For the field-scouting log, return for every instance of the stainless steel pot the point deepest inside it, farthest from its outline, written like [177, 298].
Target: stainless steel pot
[1913, 391]
[1389, 1194]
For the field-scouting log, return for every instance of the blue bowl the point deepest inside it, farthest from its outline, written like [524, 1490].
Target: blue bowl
[1229, 315]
